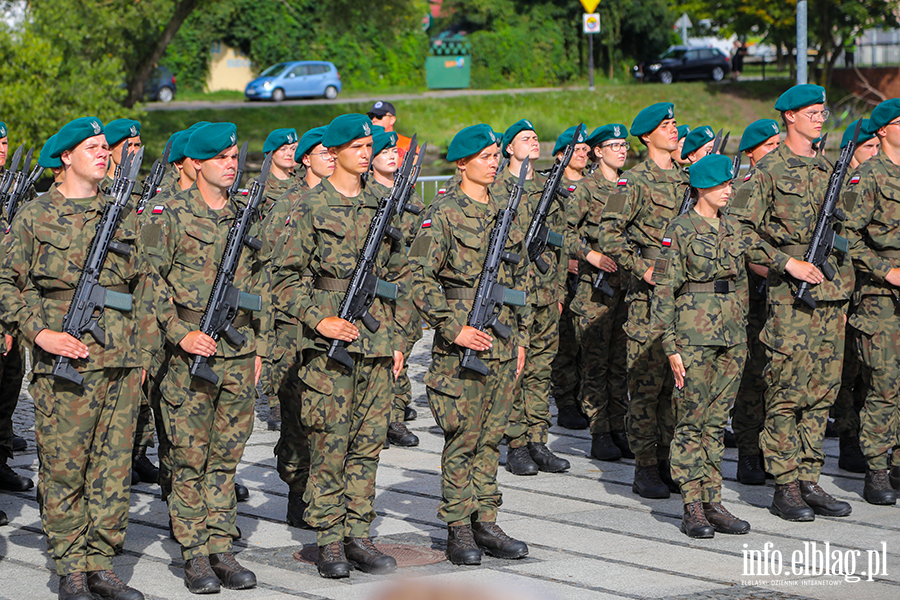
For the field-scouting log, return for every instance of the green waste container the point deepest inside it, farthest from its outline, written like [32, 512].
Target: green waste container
[450, 65]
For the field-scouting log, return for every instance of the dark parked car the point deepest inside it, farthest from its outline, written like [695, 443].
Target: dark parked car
[685, 62]
[160, 86]
[295, 80]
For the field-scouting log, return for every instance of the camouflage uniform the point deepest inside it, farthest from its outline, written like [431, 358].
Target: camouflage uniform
[473, 410]
[345, 413]
[871, 200]
[777, 204]
[599, 319]
[749, 405]
[631, 231]
[84, 434]
[707, 327]
[207, 424]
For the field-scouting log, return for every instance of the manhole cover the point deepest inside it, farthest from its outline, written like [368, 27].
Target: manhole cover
[404, 554]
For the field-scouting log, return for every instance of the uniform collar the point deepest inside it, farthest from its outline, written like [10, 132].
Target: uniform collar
[469, 207]
[64, 206]
[199, 208]
[796, 161]
[654, 173]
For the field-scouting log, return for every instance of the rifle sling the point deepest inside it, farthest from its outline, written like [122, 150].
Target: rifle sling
[194, 316]
[383, 289]
[68, 295]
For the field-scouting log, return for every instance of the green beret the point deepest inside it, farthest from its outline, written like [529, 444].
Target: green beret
[207, 141]
[75, 132]
[310, 140]
[696, 139]
[279, 138]
[347, 128]
[471, 140]
[45, 160]
[2, 129]
[121, 129]
[566, 137]
[173, 143]
[758, 132]
[514, 130]
[683, 130]
[613, 131]
[710, 171]
[884, 113]
[180, 140]
[864, 134]
[649, 119]
[382, 139]
[800, 96]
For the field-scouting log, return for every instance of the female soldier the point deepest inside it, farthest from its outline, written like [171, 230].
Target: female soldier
[699, 308]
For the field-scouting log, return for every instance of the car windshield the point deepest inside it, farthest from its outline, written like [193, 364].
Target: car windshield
[673, 53]
[274, 70]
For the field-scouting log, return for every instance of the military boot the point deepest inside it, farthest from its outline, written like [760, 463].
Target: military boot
[363, 555]
[494, 542]
[332, 563]
[728, 439]
[230, 572]
[519, 462]
[107, 585]
[570, 417]
[788, 504]
[603, 447]
[620, 439]
[199, 577]
[877, 489]
[665, 475]
[12, 481]
[145, 468]
[545, 459]
[894, 477]
[296, 508]
[399, 435]
[19, 444]
[647, 483]
[749, 470]
[74, 586]
[410, 414]
[822, 502]
[461, 546]
[241, 493]
[4, 520]
[722, 520]
[851, 457]
[694, 523]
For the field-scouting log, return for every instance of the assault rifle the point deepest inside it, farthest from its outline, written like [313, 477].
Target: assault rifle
[364, 284]
[23, 183]
[91, 298]
[539, 235]
[490, 295]
[404, 205]
[8, 175]
[824, 239]
[151, 183]
[236, 184]
[225, 299]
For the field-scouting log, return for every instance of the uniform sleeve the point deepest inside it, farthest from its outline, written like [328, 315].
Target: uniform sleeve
[147, 295]
[577, 246]
[859, 203]
[262, 285]
[620, 211]
[405, 316]
[20, 299]
[292, 281]
[751, 202]
[669, 273]
[161, 235]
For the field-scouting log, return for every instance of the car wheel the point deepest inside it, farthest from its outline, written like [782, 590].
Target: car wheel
[277, 95]
[718, 74]
[331, 92]
[665, 77]
[165, 94]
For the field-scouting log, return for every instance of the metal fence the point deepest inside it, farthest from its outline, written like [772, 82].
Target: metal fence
[429, 186]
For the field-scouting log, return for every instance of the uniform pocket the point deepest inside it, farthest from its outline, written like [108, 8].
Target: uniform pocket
[316, 393]
[444, 392]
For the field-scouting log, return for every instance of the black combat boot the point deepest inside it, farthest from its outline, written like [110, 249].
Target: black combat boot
[749, 470]
[273, 422]
[647, 483]
[12, 481]
[494, 542]
[877, 489]
[722, 520]
[604, 448]
[894, 477]
[410, 414]
[4, 520]
[332, 562]
[363, 555]
[570, 417]
[822, 502]
[399, 435]
[788, 504]
[199, 577]
[694, 523]
[230, 572]
[851, 457]
[146, 470]
[19, 444]
[296, 508]
[107, 585]
[665, 475]
[620, 439]
[461, 546]
[519, 462]
[545, 459]
[241, 493]
[728, 439]
[74, 586]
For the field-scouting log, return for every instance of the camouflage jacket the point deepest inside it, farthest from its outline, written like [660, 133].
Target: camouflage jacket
[46, 251]
[275, 189]
[694, 252]
[185, 240]
[635, 217]
[449, 253]
[322, 238]
[408, 223]
[777, 203]
[550, 287]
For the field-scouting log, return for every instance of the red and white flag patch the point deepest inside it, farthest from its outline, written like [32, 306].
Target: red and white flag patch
[667, 242]
[572, 188]
[747, 177]
[442, 191]
[854, 179]
[157, 210]
[426, 224]
[622, 181]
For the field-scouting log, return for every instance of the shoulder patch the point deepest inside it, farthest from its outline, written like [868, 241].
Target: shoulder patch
[420, 246]
[667, 242]
[622, 181]
[442, 191]
[849, 199]
[426, 223]
[616, 203]
[741, 198]
[854, 179]
[150, 233]
[158, 209]
[573, 187]
[660, 267]
[748, 176]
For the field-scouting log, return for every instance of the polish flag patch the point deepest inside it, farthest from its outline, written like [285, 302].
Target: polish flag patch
[854, 179]
[442, 191]
[157, 210]
[426, 224]
[572, 188]
[622, 181]
[747, 177]
[667, 242]
[287, 221]
[140, 210]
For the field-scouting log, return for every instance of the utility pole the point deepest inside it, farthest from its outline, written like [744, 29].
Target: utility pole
[801, 42]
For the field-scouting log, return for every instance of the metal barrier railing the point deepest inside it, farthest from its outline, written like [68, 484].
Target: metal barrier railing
[429, 185]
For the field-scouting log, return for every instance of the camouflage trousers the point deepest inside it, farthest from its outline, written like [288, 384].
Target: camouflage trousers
[701, 409]
[159, 366]
[84, 437]
[603, 368]
[292, 449]
[12, 370]
[749, 412]
[346, 419]
[473, 411]
[805, 349]
[852, 395]
[208, 426]
[530, 420]
[566, 369]
[880, 353]
[144, 432]
[402, 396]
[651, 417]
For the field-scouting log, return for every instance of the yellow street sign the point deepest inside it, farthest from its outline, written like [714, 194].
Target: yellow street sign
[589, 5]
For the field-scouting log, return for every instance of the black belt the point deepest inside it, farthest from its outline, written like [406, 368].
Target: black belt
[888, 253]
[724, 286]
[194, 316]
[68, 295]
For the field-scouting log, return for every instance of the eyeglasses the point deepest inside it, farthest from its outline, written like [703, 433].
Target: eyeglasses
[324, 155]
[617, 146]
[817, 115]
[897, 122]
